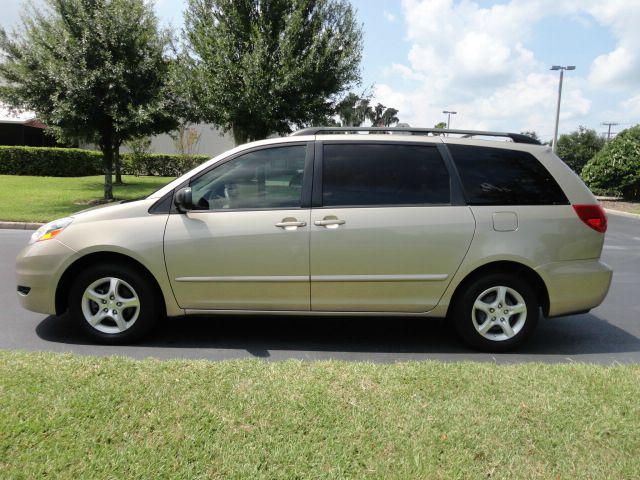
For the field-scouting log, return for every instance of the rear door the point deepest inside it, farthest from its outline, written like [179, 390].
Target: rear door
[388, 227]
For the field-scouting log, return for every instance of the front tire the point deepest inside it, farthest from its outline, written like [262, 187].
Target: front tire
[113, 304]
[497, 312]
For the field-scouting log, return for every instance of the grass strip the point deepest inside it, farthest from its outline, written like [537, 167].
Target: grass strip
[64, 416]
[42, 199]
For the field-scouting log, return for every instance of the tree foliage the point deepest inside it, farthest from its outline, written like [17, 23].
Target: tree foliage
[616, 168]
[382, 116]
[92, 70]
[577, 148]
[258, 67]
[531, 133]
[354, 110]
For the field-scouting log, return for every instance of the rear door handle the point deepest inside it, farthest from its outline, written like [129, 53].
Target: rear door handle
[329, 223]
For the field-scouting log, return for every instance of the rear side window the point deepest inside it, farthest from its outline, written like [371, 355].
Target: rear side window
[361, 175]
[496, 176]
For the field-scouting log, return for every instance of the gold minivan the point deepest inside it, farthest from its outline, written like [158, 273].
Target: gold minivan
[336, 221]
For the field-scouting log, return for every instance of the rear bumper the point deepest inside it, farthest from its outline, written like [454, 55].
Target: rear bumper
[575, 286]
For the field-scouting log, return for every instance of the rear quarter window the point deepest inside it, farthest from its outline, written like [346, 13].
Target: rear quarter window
[498, 176]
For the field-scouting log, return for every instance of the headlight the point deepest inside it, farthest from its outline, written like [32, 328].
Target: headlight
[50, 230]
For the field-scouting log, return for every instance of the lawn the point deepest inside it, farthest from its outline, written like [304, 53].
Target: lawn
[63, 416]
[41, 199]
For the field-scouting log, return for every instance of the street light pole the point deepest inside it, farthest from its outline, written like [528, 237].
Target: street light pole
[555, 132]
[449, 113]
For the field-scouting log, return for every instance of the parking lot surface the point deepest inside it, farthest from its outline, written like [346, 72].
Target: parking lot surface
[608, 334]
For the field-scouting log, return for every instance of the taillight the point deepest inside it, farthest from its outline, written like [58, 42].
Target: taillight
[592, 216]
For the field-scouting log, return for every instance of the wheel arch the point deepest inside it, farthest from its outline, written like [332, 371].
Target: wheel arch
[506, 266]
[66, 280]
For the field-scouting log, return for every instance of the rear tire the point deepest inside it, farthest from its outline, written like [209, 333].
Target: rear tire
[113, 304]
[496, 313]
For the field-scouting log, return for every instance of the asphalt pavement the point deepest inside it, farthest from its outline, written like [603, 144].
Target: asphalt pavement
[607, 335]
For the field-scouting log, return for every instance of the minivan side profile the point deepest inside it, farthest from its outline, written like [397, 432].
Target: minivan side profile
[332, 221]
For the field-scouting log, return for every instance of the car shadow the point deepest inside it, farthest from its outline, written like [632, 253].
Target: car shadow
[258, 335]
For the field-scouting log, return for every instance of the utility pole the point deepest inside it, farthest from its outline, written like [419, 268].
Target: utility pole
[555, 132]
[609, 124]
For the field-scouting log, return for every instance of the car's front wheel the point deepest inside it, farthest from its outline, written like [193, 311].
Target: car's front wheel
[496, 312]
[113, 304]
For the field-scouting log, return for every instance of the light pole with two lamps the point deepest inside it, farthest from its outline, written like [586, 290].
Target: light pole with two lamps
[449, 117]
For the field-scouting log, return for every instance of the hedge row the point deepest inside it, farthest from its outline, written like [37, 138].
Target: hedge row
[159, 164]
[75, 162]
[49, 162]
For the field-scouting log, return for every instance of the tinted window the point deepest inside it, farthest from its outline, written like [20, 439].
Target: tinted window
[269, 178]
[492, 176]
[355, 175]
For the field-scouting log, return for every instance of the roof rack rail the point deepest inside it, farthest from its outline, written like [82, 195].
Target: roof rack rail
[515, 137]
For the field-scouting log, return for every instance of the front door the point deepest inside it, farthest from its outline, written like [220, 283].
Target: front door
[386, 236]
[246, 245]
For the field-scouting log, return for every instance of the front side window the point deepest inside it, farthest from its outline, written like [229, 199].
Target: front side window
[499, 176]
[268, 178]
[361, 175]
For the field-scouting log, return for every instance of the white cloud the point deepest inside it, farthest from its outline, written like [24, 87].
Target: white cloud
[620, 68]
[474, 59]
[631, 109]
[389, 16]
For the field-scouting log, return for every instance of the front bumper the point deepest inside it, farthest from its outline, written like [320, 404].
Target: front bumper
[39, 267]
[575, 286]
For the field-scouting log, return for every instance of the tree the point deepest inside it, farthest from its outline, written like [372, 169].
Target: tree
[577, 148]
[389, 117]
[259, 67]
[531, 133]
[382, 116]
[439, 125]
[186, 141]
[354, 110]
[616, 167]
[346, 110]
[92, 70]
[363, 110]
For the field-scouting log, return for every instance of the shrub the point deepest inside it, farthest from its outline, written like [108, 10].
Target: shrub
[49, 162]
[616, 168]
[75, 162]
[159, 164]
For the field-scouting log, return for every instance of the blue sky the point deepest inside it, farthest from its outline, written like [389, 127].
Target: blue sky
[489, 60]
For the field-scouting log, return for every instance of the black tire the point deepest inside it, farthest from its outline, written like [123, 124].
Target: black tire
[463, 313]
[146, 314]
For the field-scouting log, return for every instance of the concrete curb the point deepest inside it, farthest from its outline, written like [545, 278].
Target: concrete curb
[20, 225]
[611, 199]
[621, 213]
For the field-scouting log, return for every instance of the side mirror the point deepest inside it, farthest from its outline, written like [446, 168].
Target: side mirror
[183, 200]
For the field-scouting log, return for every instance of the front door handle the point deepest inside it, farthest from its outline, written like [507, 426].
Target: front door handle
[290, 224]
[329, 222]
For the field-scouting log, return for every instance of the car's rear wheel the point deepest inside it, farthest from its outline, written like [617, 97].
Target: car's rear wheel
[496, 312]
[113, 304]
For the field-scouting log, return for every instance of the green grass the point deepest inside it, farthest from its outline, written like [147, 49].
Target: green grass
[65, 417]
[41, 199]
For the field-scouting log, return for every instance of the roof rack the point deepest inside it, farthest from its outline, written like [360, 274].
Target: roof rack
[515, 137]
